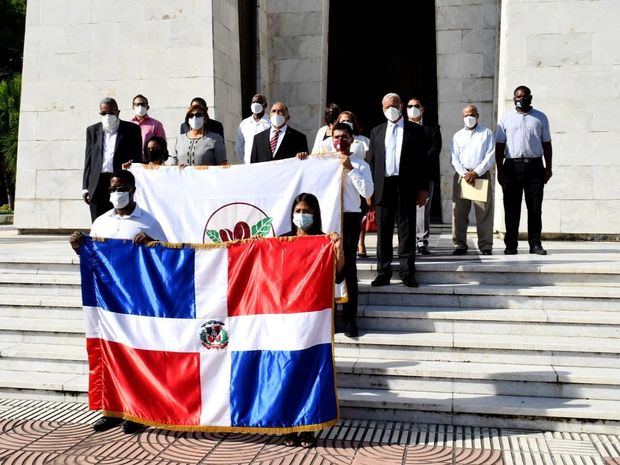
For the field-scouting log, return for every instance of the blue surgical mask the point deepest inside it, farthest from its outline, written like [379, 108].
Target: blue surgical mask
[303, 220]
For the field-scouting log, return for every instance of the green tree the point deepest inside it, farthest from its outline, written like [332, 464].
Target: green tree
[10, 90]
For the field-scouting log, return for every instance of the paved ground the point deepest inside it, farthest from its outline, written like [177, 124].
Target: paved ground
[39, 432]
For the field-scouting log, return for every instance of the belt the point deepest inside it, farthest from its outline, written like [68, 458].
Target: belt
[524, 160]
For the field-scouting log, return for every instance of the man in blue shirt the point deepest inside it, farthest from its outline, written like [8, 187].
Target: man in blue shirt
[523, 139]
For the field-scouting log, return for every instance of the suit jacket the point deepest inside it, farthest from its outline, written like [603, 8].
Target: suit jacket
[413, 170]
[292, 143]
[433, 149]
[212, 125]
[128, 147]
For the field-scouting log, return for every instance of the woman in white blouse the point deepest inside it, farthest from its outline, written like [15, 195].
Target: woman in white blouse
[332, 111]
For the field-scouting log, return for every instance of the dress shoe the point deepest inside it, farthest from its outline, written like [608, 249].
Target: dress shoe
[459, 252]
[538, 250]
[487, 252]
[410, 282]
[106, 423]
[131, 427]
[423, 250]
[510, 251]
[350, 329]
[381, 280]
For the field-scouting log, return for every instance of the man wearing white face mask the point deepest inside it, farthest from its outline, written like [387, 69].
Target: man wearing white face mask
[149, 127]
[472, 156]
[398, 161]
[415, 113]
[280, 140]
[249, 127]
[109, 144]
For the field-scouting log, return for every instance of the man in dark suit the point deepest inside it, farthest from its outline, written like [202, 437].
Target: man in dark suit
[415, 114]
[109, 144]
[280, 141]
[398, 161]
[211, 125]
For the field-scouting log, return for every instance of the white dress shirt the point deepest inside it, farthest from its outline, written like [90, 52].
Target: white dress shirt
[109, 144]
[280, 137]
[357, 182]
[114, 226]
[473, 149]
[248, 128]
[392, 158]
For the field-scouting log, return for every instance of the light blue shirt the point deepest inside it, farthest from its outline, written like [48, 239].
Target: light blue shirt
[523, 133]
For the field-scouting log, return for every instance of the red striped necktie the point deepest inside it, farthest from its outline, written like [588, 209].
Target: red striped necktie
[274, 140]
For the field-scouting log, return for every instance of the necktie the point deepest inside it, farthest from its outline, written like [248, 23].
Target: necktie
[391, 152]
[274, 141]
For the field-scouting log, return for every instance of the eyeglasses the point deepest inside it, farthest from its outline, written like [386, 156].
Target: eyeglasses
[417, 106]
[103, 113]
[197, 115]
[119, 189]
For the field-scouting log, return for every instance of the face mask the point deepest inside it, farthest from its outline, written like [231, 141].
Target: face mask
[277, 120]
[303, 220]
[348, 123]
[196, 122]
[140, 111]
[156, 155]
[119, 199]
[110, 123]
[414, 112]
[256, 108]
[331, 117]
[470, 122]
[342, 145]
[392, 114]
[523, 102]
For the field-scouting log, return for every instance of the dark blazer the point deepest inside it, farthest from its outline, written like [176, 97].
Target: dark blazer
[292, 143]
[212, 125]
[433, 149]
[413, 170]
[128, 147]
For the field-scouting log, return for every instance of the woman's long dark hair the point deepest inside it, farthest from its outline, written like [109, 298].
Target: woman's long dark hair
[313, 203]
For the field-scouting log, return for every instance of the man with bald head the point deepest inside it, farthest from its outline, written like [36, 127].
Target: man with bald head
[280, 140]
[252, 125]
[472, 156]
[397, 157]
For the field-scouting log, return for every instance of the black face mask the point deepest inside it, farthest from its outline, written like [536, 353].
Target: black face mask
[157, 155]
[523, 102]
[331, 117]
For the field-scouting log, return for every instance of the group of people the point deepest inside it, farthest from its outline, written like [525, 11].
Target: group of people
[392, 173]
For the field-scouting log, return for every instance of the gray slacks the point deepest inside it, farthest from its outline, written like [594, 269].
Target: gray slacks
[460, 216]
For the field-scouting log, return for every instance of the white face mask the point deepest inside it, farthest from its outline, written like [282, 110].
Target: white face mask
[392, 114]
[277, 120]
[303, 220]
[256, 108]
[140, 110]
[196, 122]
[470, 122]
[119, 199]
[348, 123]
[414, 112]
[110, 123]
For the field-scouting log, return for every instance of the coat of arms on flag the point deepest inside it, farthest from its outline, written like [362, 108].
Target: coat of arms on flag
[220, 337]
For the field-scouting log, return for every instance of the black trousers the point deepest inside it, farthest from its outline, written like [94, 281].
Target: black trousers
[523, 176]
[351, 227]
[402, 208]
[100, 201]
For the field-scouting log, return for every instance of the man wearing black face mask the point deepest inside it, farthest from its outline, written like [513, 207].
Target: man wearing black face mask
[522, 140]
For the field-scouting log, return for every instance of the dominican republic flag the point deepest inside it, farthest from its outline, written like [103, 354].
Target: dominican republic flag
[232, 337]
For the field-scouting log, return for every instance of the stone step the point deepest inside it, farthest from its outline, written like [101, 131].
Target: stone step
[600, 298]
[41, 312]
[42, 331]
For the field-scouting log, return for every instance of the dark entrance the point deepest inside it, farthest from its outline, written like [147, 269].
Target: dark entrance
[376, 48]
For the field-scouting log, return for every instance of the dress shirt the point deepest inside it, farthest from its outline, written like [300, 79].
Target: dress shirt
[523, 133]
[357, 182]
[109, 144]
[358, 149]
[392, 160]
[320, 137]
[473, 149]
[248, 128]
[280, 137]
[115, 226]
[149, 127]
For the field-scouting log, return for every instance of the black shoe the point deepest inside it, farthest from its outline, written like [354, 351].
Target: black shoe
[459, 252]
[350, 329]
[423, 250]
[410, 282]
[487, 252]
[538, 250]
[131, 427]
[510, 251]
[381, 280]
[106, 423]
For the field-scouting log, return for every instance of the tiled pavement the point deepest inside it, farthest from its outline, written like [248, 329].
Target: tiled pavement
[39, 432]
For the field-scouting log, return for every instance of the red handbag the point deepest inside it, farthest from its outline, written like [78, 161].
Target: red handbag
[371, 221]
